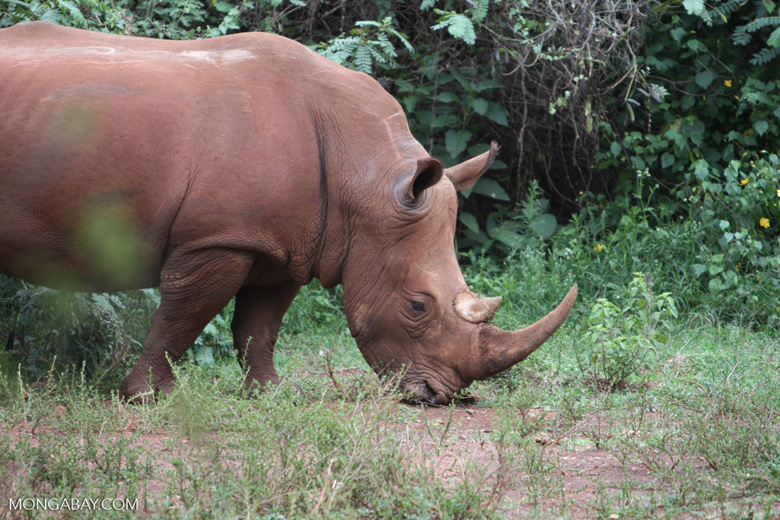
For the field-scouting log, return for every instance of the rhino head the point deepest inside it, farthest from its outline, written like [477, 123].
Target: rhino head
[407, 303]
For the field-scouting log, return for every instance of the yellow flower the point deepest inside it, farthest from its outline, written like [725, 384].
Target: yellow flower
[599, 248]
[743, 182]
[727, 83]
[764, 222]
[778, 193]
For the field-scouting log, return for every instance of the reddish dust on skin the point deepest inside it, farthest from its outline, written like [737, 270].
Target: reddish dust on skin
[456, 442]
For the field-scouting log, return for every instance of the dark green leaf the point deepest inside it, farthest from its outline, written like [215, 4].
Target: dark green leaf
[491, 188]
[470, 221]
[456, 141]
[507, 237]
[667, 160]
[704, 78]
[445, 120]
[544, 225]
[479, 105]
[497, 114]
[774, 38]
[447, 97]
[677, 33]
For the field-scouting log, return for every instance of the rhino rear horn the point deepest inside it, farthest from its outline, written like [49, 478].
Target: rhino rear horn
[465, 174]
[476, 309]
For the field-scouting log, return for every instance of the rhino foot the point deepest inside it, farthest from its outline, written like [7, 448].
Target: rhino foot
[139, 390]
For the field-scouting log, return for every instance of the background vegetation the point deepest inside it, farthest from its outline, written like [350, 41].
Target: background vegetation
[637, 136]
[639, 158]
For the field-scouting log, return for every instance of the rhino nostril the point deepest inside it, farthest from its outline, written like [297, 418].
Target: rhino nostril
[440, 398]
[435, 397]
[424, 393]
[419, 393]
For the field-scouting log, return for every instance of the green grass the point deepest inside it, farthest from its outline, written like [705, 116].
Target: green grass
[695, 432]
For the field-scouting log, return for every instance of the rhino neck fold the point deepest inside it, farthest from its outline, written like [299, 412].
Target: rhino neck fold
[330, 251]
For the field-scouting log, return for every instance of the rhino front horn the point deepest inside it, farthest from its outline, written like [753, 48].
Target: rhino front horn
[501, 349]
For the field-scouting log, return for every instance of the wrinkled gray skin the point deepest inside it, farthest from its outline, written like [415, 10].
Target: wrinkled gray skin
[240, 166]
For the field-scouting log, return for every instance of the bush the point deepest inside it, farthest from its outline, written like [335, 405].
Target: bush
[620, 336]
[739, 212]
[700, 125]
[94, 333]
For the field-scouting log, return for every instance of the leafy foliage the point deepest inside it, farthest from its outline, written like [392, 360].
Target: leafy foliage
[457, 25]
[92, 333]
[621, 336]
[739, 209]
[527, 228]
[707, 141]
[368, 46]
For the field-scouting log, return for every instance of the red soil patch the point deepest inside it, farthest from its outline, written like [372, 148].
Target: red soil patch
[575, 477]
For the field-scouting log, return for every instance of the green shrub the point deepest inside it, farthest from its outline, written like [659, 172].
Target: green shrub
[95, 333]
[315, 309]
[216, 339]
[620, 336]
[701, 122]
[739, 211]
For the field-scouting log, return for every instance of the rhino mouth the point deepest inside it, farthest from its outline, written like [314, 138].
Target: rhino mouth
[426, 393]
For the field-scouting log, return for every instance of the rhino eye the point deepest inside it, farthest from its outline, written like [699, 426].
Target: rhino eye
[417, 306]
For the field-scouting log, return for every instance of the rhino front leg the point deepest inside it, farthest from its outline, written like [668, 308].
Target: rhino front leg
[194, 287]
[259, 312]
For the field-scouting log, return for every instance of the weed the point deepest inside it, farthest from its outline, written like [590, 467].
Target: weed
[704, 434]
[622, 336]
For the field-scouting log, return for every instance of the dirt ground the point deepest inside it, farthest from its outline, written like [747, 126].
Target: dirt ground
[580, 470]
[456, 441]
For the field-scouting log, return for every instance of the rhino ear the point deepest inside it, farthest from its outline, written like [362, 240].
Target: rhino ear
[465, 174]
[429, 172]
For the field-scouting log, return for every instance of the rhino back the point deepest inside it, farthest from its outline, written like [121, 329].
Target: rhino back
[116, 150]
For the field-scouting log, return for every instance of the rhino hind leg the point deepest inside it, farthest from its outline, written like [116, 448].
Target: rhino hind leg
[194, 287]
[258, 315]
